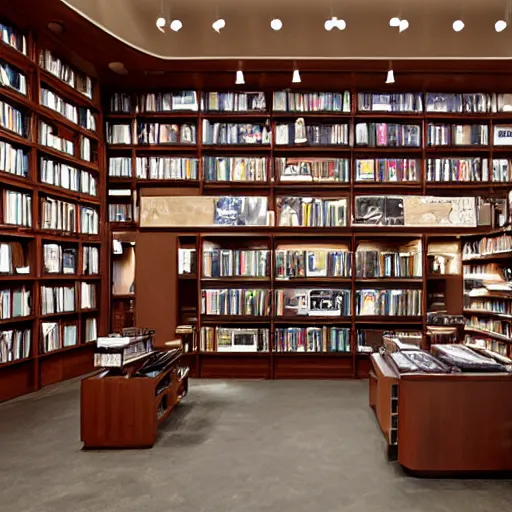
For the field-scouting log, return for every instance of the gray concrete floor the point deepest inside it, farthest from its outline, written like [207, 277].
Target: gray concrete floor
[241, 446]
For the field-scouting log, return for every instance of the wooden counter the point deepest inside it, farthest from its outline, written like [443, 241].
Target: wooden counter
[445, 423]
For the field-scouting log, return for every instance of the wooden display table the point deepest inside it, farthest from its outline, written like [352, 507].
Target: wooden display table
[124, 410]
[437, 424]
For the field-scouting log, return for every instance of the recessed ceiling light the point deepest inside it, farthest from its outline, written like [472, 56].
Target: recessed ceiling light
[500, 25]
[335, 23]
[57, 27]
[394, 22]
[458, 25]
[218, 25]
[160, 23]
[240, 80]
[404, 25]
[296, 77]
[176, 25]
[276, 24]
[118, 67]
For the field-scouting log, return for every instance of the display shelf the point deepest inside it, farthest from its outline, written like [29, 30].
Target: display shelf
[58, 351]
[17, 319]
[488, 334]
[17, 362]
[70, 159]
[484, 312]
[70, 92]
[488, 257]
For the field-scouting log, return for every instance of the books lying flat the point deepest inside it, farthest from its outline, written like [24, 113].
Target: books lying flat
[235, 263]
[312, 339]
[388, 302]
[309, 211]
[15, 344]
[235, 168]
[312, 263]
[233, 102]
[312, 302]
[229, 301]
[312, 169]
[229, 339]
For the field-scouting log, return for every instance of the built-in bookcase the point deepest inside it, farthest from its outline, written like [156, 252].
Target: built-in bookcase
[51, 166]
[313, 219]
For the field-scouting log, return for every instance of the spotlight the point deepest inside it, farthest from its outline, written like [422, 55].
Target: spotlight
[176, 25]
[296, 77]
[394, 22]
[335, 23]
[390, 78]
[160, 24]
[276, 24]
[500, 26]
[458, 25]
[240, 77]
[218, 25]
[340, 25]
[329, 24]
[404, 25]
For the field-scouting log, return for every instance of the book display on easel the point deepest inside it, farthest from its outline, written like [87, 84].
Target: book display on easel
[50, 240]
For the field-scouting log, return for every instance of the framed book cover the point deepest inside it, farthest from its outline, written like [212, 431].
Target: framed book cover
[365, 170]
[316, 263]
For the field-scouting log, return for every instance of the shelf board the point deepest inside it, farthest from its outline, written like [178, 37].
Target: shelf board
[58, 315]
[170, 148]
[382, 114]
[123, 296]
[388, 320]
[254, 185]
[20, 99]
[53, 116]
[389, 280]
[240, 279]
[16, 58]
[63, 350]
[489, 257]
[235, 148]
[312, 320]
[442, 277]
[312, 115]
[16, 362]
[14, 138]
[227, 353]
[488, 334]
[457, 149]
[311, 185]
[70, 159]
[17, 277]
[71, 93]
[17, 319]
[168, 183]
[312, 281]
[386, 149]
[187, 277]
[54, 190]
[256, 115]
[234, 319]
[306, 354]
[484, 312]
[167, 114]
[296, 148]
[59, 277]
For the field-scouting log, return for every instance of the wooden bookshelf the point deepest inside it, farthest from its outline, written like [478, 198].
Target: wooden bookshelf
[41, 368]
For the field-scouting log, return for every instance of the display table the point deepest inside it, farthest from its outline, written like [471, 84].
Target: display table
[451, 423]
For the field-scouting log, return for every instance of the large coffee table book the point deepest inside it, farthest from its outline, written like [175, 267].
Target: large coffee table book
[124, 404]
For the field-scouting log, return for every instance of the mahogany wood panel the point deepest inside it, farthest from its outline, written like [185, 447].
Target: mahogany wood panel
[66, 365]
[455, 423]
[156, 284]
[17, 380]
[363, 366]
[226, 366]
[309, 366]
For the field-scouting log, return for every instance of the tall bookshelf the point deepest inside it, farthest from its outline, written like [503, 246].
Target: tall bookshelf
[52, 233]
[435, 158]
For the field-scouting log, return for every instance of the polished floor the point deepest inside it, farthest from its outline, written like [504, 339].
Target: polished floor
[232, 446]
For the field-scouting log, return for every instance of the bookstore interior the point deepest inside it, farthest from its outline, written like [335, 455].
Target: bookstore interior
[272, 220]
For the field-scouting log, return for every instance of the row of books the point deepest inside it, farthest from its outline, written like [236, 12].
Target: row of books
[13, 259]
[68, 177]
[312, 302]
[312, 339]
[85, 149]
[15, 302]
[120, 213]
[62, 216]
[161, 133]
[232, 339]
[79, 81]
[13, 160]
[15, 344]
[458, 169]
[489, 271]
[120, 167]
[312, 263]
[235, 168]
[119, 133]
[486, 246]
[13, 37]
[502, 307]
[91, 330]
[379, 263]
[457, 135]
[88, 295]
[57, 299]
[166, 168]
[501, 170]
[500, 347]
[17, 208]
[235, 263]
[235, 133]
[254, 302]
[58, 259]
[309, 211]
[388, 302]
[312, 133]
[79, 115]
[388, 135]
[12, 78]
[490, 325]
[340, 102]
[55, 336]
[312, 169]
[12, 119]
[387, 169]
[47, 137]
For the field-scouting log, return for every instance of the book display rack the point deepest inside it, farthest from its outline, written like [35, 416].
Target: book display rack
[303, 221]
[52, 215]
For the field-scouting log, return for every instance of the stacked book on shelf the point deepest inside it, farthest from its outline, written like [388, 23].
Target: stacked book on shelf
[17, 208]
[12, 78]
[90, 260]
[407, 102]
[68, 177]
[235, 168]
[47, 137]
[85, 149]
[232, 339]
[388, 135]
[13, 160]
[12, 119]
[54, 102]
[313, 262]
[486, 343]
[312, 169]
[57, 299]
[120, 102]
[219, 262]
[384, 302]
[58, 259]
[387, 170]
[458, 169]
[457, 135]
[13, 37]
[59, 215]
[501, 170]
[379, 261]
[312, 339]
[288, 101]
[51, 63]
[118, 133]
[187, 261]
[495, 305]
[487, 246]
[233, 102]
[236, 302]
[163, 133]
[89, 221]
[312, 212]
[490, 326]
[166, 168]
[14, 302]
[314, 134]
[235, 133]
[120, 167]
[120, 213]
[312, 302]
[53, 339]
[175, 101]
[15, 344]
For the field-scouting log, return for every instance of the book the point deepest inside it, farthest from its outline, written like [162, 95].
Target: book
[13, 78]
[15, 302]
[232, 339]
[186, 261]
[118, 133]
[487, 246]
[58, 215]
[48, 137]
[120, 213]
[166, 168]
[458, 103]
[314, 134]
[85, 149]
[88, 295]
[288, 101]
[311, 212]
[385, 302]
[58, 259]
[50, 337]
[162, 133]
[233, 102]
[13, 119]
[89, 221]
[13, 259]
[312, 169]
[390, 102]
[91, 330]
[167, 102]
[13, 37]
[57, 299]
[314, 262]
[15, 344]
[90, 260]
[501, 170]
[240, 211]
[312, 339]
[120, 102]
[457, 135]
[68, 177]
[388, 135]
[13, 160]
[17, 208]
[70, 335]
[235, 133]
[235, 302]
[120, 167]
[387, 263]
[387, 169]
[458, 169]
[220, 262]
[235, 168]
[312, 302]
